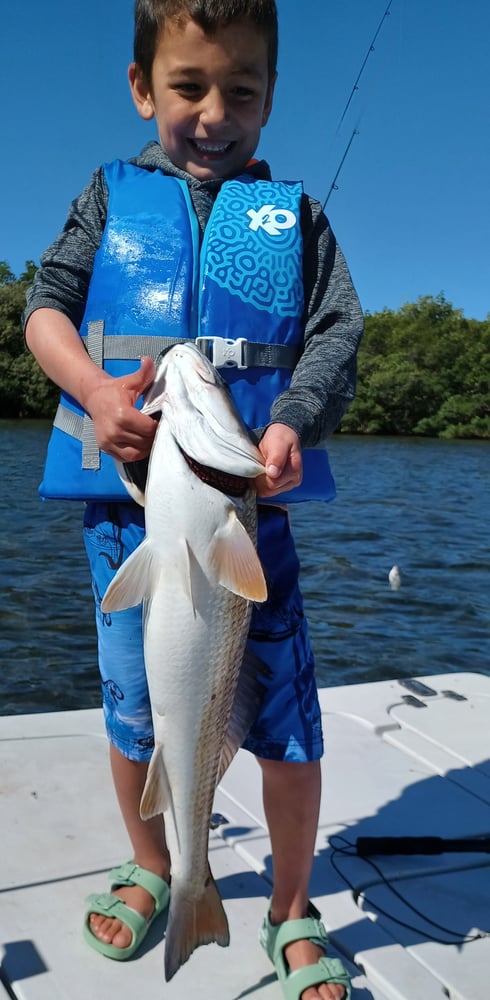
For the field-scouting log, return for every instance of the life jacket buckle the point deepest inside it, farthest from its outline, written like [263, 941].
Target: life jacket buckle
[223, 352]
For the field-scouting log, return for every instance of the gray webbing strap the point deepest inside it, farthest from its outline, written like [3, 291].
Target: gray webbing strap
[68, 421]
[102, 349]
[128, 348]
[95, 341]
[269, 355]
[132, 348]
[90, 448]
[82, 429]
[95, 347]
[250, 354]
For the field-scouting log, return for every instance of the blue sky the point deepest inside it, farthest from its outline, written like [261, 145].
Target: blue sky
[412, 205]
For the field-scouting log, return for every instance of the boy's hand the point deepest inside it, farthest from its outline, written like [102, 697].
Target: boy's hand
[120, 429]
[281, 450]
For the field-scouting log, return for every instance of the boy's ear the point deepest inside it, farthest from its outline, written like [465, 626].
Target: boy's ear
[268, 102]
[140, 92]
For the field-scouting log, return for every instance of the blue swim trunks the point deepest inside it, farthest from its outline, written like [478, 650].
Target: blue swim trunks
[288, 725]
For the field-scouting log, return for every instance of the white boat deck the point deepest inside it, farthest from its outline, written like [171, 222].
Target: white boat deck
[391, 768]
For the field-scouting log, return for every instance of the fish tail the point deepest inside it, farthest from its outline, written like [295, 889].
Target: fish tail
[193, 922]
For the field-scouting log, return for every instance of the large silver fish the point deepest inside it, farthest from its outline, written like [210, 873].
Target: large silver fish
[196, 573]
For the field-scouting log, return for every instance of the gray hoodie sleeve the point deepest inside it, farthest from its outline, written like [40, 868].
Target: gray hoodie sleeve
[63, 278]
[323, 382]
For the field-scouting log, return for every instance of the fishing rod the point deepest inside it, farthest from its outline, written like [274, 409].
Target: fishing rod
[333, 186]
[366, 57]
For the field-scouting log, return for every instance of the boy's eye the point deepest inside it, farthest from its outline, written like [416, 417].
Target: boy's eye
[243, 93]
[187, 88]
[193, 90]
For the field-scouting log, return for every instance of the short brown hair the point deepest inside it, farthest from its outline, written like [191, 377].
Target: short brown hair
[150, 17]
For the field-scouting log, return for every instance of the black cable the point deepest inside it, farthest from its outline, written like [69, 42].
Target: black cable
[367, 846]
[349, 850]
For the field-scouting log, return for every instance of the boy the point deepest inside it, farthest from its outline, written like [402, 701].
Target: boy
[206, 71]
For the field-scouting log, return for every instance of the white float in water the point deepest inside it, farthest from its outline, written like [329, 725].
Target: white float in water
[394, 577]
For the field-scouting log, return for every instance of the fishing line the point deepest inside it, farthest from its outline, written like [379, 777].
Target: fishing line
[349, 850]
[355, 88]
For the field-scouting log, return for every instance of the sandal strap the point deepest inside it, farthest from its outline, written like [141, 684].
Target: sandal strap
[274, 939]
[133, 874]
[326, 970]
[293, 930]
[108, 905]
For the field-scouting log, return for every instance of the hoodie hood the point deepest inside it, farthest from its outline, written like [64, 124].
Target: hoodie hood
[154, 157]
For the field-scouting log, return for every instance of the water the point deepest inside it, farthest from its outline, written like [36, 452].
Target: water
[416, 503]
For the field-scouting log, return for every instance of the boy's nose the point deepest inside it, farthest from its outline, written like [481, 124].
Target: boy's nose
[213, 109]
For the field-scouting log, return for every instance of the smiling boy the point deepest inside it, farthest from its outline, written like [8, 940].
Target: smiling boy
[205, 70]
[211, 94]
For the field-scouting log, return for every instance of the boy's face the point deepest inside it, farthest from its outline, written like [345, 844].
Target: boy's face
[210, 95]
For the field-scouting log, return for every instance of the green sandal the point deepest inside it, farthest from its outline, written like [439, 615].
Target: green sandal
[327, 970]
[109, 905]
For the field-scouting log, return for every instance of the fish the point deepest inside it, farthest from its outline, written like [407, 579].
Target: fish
[197, 574]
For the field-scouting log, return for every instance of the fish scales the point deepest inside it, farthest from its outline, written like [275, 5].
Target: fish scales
[197, 573]
[203, 650]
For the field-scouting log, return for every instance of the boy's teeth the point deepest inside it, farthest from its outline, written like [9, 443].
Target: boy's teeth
[211, 147]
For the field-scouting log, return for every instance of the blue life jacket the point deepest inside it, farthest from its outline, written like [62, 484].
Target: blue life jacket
[240, 298]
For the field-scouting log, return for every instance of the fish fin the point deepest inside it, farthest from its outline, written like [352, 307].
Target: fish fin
[157, 796]
[236, 562]
[187, 574]
[155, 397]
[193, 922]
[134, 475]
[132, 582]
[248, 698]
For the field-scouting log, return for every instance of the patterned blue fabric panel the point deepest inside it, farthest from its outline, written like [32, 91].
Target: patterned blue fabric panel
[253, 245]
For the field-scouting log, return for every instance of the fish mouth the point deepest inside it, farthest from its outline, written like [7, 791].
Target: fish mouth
[225, 482]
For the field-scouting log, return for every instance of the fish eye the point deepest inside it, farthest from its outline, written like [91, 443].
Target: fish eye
[162, 354]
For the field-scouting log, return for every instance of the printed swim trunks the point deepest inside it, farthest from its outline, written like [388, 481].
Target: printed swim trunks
[288, 723]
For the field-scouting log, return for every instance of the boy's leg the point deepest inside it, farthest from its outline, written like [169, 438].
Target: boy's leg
[111, 533]
[286, 738]
[292, 802]
[149, 848]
